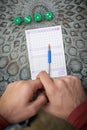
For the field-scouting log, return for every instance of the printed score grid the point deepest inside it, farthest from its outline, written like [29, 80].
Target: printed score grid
[37, 44]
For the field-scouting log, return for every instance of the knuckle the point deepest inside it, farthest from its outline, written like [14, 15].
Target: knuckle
[60, 84]
[42, 72]
[22, 83]
[34, 110]
[25, 83]
[73, 78]
[70, 78]
[76, 79]
[43, 98]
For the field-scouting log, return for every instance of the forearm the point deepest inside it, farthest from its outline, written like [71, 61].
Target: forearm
[78, 118]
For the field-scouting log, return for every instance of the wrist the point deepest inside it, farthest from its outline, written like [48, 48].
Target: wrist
[3, 123]
[78, 117]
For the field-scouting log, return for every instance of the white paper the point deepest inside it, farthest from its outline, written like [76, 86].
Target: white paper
[37, 44]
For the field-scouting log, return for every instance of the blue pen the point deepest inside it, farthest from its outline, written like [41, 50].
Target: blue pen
[49, 58]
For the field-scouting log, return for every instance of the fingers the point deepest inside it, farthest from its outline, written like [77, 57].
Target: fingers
[29, 85]
[37, 104]
[35, 84]
[54, 85]
[48, 84]
[69, 80]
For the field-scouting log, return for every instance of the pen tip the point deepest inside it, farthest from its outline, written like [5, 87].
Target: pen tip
[49, 47]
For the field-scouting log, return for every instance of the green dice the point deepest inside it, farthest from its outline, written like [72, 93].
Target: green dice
[27, 19]
[48, 15]
[37, 17]
[17, 20]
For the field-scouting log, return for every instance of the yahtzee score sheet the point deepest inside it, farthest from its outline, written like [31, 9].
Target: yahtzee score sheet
[37, 44]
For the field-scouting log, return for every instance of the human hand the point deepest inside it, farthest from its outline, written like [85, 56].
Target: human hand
[64, 94]
[16, 103]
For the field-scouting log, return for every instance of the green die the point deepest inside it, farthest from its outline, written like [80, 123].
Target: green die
[48, 15]
[17, 20]
[27, 19]
[37, 17]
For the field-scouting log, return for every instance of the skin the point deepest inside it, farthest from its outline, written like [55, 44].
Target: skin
[16, 104]
[64, 94]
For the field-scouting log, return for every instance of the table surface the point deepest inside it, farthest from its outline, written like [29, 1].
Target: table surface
[70, 14]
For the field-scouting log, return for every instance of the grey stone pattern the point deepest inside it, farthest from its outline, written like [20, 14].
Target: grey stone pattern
[70, 14]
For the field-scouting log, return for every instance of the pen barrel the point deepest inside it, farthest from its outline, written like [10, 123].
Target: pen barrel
[49, 56]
